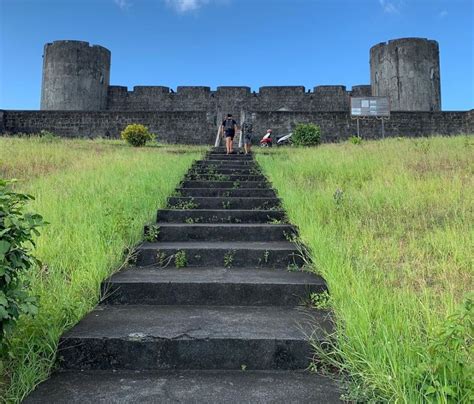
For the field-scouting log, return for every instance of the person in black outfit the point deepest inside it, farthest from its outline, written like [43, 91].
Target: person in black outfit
[228, 128]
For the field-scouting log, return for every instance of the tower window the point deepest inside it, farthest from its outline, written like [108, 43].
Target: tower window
[432, 74]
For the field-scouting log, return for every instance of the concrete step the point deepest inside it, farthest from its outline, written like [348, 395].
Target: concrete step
[224, 170]
[224, 184]
[191, 386]
[226, 164]
[148, 337]
[229, 157]
[203, 202]
[275, 254]
[220, 232]
[240, 192]
[211, 286]
[224, 177]
[220, 216]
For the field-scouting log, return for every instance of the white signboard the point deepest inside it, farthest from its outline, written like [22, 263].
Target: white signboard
[370, 106]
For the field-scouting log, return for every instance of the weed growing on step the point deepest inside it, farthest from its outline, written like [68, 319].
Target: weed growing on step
[395, 250]
[273, 220]
[229, 258]
[152, 232]
[320, 300]
[161, 259]
[180, 260]
[266, 255]
[225, 204]
[293, 267]
[184, 205]
[236, 184]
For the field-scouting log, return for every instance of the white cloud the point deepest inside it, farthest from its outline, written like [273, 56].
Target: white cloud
[184, 6]
[390, 7]
[123, 4]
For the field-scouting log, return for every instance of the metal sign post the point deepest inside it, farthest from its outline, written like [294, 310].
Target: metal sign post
[218, 137]
[242, 121]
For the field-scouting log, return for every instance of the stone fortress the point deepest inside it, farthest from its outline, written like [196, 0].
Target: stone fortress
[78, 100]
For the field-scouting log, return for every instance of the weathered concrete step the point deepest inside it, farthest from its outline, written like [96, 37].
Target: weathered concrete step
[211, 286]
[220, 216]
[203, 202]
[225, 177]
[228, 163]
[229, 157]
[275, 254]
[225, 184]
[148, 337]
[225, 171]
[219, 232]
[186, 386]
[239, 192]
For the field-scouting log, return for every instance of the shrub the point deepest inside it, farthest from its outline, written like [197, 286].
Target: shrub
[136, 135]
[307, 134]
[355, 140]
[17, 230]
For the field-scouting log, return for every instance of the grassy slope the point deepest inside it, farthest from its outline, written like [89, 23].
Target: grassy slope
[96, 196]
[390, 227]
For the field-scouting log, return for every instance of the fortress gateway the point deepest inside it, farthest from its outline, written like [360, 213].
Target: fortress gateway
[78, 100]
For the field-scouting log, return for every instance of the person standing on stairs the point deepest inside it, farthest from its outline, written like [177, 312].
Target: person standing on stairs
[228, 128]
[247, 134]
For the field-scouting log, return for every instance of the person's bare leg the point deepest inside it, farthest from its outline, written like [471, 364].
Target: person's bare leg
[246, 148]
[231, 143]
[227, 144]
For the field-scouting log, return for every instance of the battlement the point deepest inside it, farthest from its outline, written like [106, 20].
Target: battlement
[229, 98]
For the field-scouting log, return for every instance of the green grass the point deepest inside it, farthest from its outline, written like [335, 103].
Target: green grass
[389, 224]
[97, 196]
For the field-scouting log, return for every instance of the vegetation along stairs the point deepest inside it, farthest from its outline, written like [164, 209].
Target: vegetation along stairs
[213, 309]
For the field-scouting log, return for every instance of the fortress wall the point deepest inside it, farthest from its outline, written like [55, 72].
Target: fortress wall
[190, 127]
[171, 127]
[229, 99]
[337, 126]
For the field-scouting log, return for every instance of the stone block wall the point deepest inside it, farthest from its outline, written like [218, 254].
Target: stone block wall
[171, 127]
[338, 126]
[186, 127]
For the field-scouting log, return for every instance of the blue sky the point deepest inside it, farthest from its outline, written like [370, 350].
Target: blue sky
[234, 42]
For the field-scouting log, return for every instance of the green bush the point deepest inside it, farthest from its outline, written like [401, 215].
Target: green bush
[307, 134]
[17, 230]
[355, 140]
[136, 135]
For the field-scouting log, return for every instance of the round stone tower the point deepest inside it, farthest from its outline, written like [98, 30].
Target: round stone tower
[75, 76]
[407, 71]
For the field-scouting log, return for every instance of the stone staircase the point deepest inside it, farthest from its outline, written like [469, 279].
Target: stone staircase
[212, 310]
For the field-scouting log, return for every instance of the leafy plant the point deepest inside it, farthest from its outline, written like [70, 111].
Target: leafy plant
[446, 374]
[136, 135]
[17, 232]
[320, 300]
[185, 205]
[152, 232]
[307, 134]
[180, 260]
[229, 258]
[355, 140]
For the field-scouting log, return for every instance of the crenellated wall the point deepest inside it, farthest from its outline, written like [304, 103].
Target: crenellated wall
[232, 99]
